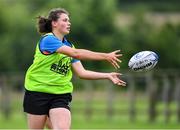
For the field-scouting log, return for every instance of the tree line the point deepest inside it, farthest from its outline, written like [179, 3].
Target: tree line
[93, 27]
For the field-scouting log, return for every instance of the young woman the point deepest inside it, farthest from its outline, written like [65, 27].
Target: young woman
[48, 80]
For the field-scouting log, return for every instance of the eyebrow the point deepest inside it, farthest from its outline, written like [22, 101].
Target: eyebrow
[66, 18]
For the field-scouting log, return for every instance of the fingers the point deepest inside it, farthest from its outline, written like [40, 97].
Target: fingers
[115, 64]
[117, 51]
[118, 60]
[117, 74]
[118, 55]
[120, 82]
[114, 61]
[115, 79]
[113, 58]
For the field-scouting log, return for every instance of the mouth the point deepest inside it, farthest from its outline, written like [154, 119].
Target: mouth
[68, 28]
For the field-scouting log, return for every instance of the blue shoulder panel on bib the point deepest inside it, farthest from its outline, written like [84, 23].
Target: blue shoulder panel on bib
[50, 44]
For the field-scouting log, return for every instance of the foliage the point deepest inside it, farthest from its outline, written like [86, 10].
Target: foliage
[141, 35]
[154, 5]
[92, 28]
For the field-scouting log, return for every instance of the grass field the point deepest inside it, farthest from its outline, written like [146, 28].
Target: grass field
[99, 119]
[18, 121]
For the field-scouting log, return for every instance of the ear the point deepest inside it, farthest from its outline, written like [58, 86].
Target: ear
[54, 23]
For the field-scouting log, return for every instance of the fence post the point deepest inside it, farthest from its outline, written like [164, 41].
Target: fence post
[177, 96]
[88, 99]
[166, 97]
[5, 100]
[110, 98]
[152, 95]
[132, 98]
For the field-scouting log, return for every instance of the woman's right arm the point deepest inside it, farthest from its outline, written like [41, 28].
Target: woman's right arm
[83, 54]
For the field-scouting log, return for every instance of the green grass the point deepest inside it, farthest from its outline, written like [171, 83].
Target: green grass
[18, 121]
[99, 119]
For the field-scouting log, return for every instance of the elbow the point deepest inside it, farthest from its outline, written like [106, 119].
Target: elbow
[81, 76]
[76, 55]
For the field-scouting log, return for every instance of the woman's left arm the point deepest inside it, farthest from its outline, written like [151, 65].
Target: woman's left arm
[92, 75]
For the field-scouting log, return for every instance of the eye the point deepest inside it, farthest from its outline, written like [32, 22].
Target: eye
[65, 20]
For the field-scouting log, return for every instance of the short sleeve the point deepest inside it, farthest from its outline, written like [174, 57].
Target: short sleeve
[74, 60]
[49, 44]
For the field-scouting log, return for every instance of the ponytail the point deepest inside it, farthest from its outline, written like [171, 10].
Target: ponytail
[44, 25]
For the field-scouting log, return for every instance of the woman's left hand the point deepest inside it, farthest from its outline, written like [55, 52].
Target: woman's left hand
[114, 77]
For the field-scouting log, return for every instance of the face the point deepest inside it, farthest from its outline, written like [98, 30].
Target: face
[62, 25]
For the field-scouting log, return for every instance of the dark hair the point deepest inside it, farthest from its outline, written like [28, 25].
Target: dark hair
[44, 24]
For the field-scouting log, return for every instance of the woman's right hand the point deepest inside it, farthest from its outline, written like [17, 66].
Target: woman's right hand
[113, 58]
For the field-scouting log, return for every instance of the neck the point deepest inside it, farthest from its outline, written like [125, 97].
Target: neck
[58, 35]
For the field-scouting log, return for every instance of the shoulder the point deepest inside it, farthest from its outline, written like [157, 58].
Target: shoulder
[48, 38]
[49, 43]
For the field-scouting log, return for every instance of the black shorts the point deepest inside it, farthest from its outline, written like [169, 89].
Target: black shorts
[39, 103]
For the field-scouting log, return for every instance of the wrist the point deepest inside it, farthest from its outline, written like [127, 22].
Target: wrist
[107, 76]
[105, 56]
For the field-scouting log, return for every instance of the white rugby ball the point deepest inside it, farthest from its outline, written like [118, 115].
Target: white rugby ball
[143, 61]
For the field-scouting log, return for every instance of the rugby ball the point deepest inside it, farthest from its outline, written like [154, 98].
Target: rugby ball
[143, 61]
